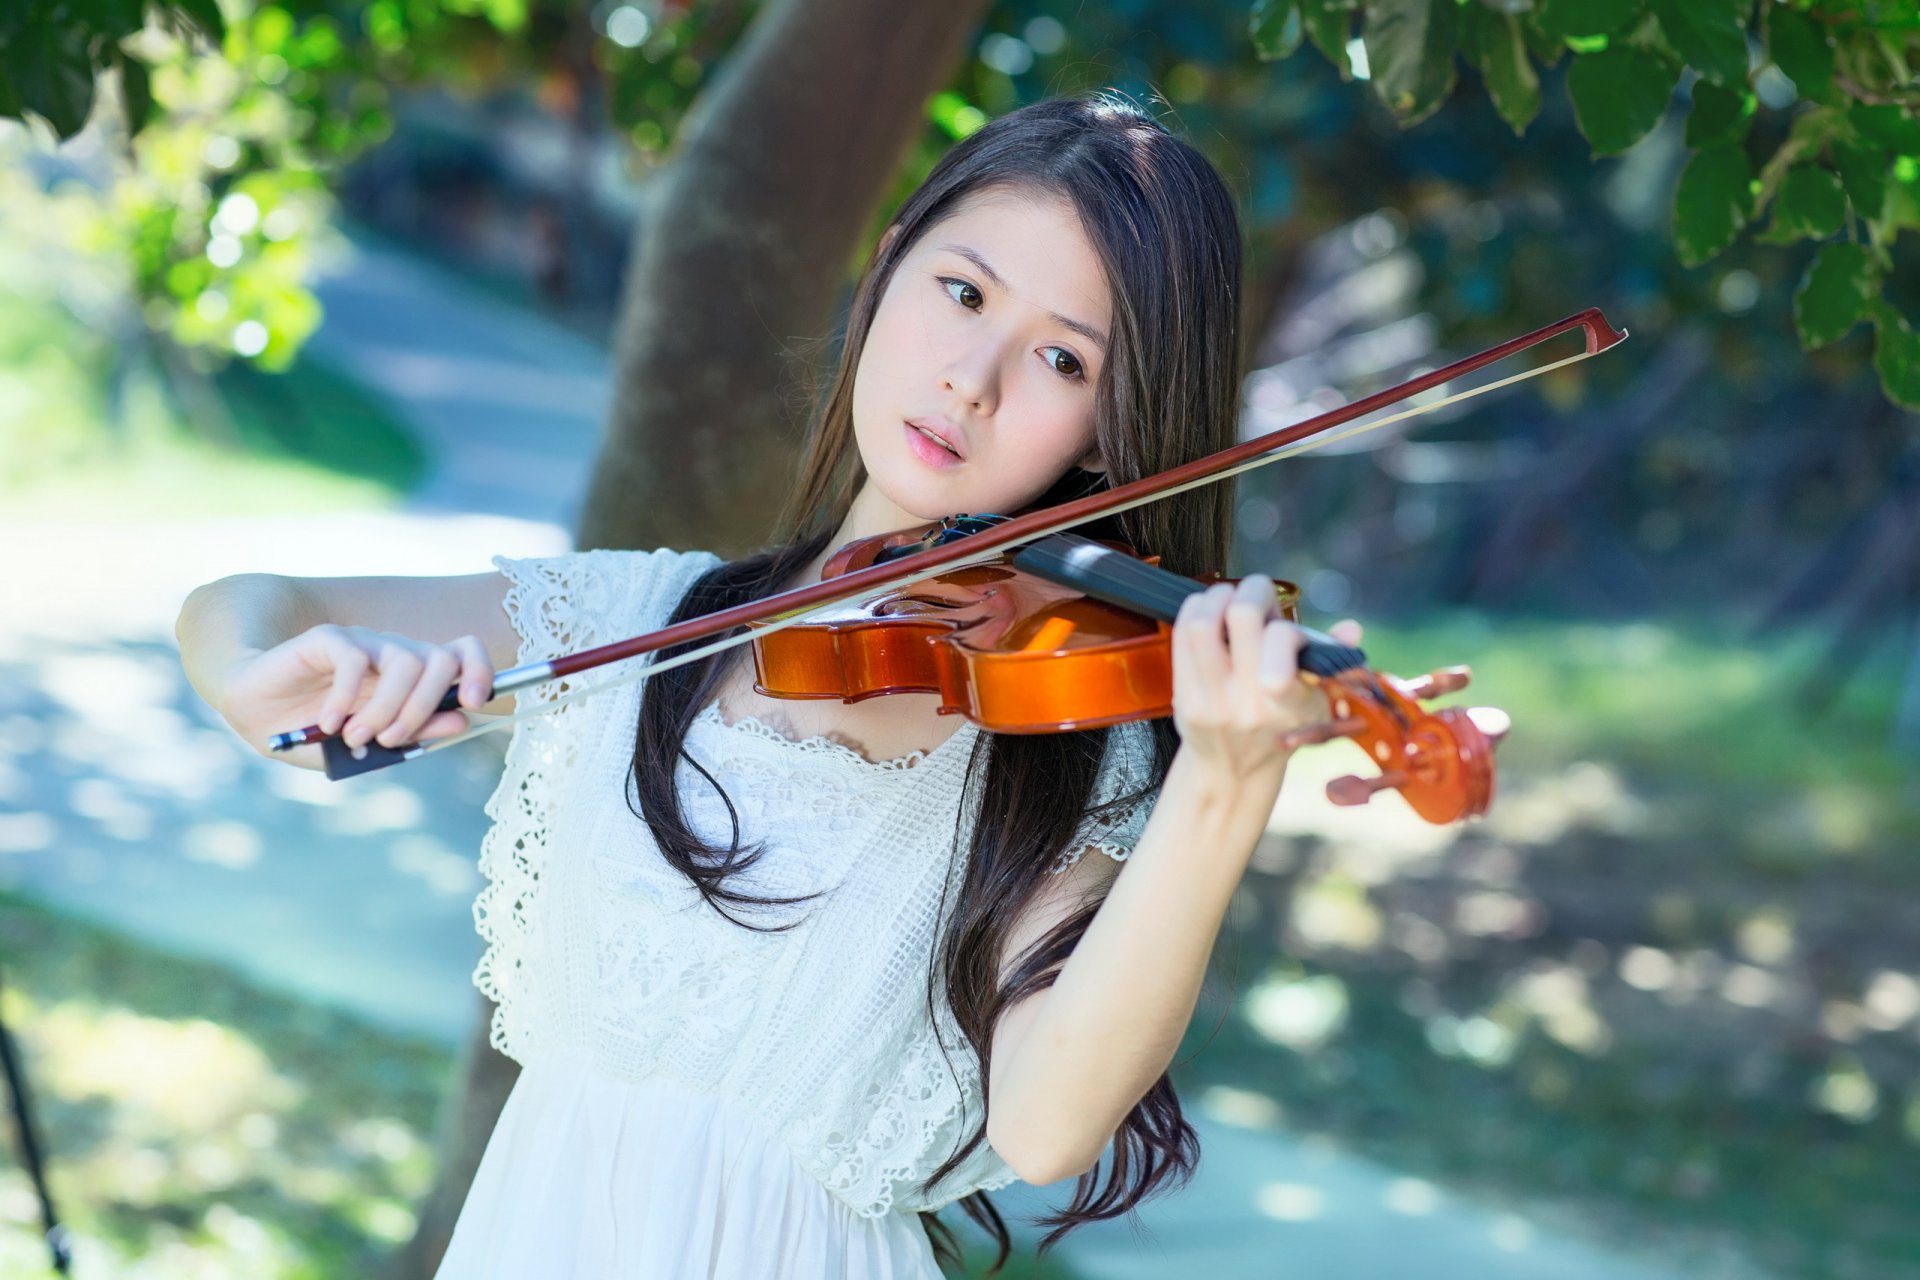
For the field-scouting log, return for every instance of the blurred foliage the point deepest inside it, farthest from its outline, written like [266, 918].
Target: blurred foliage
[1850, 161]
[100, 420]
[1802, 111]
[214, 188]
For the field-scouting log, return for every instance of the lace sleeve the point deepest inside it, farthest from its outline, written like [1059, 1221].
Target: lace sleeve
[1127, 768]
[557, 604]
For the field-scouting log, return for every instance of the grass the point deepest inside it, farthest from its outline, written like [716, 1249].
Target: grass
[1694, 708]
[197, 1125]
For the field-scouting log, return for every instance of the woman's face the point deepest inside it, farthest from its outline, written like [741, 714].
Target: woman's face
[992, 333]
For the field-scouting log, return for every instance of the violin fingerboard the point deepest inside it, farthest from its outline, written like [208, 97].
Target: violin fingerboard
[1131, 583]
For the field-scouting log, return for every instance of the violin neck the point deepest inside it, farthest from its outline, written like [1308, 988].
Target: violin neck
[1105, 574]
[1131, 583]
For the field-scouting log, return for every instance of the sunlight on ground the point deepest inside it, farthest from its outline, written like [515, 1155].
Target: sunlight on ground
[164, 1135]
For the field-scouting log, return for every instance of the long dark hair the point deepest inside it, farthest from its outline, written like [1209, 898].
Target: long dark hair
[1164, 227]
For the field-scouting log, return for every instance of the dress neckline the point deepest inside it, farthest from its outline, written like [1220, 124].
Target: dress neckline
[821, 745]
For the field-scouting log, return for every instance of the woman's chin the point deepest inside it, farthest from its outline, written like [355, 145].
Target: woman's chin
[921, 499]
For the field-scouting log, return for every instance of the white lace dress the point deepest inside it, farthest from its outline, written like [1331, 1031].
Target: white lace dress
[698, 1099]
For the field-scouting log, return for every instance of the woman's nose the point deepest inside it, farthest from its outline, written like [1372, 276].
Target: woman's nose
[972, 378]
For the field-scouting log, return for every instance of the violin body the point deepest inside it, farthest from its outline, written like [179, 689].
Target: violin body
[1072, 633]
[1012, 652]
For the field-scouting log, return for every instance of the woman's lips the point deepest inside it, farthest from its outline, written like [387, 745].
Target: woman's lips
[930, 453]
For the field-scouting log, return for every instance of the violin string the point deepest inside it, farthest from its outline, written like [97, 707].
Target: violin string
[491, 724]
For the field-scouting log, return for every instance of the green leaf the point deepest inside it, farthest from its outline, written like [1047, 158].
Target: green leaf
[1810, 203]
[1618, 96]
[1275, 28]
[1711, 204]
[1835, 294]
[1548, 48]
[1496, 44]
[1562, 18]
[1710, 34]
[1718, 115]
[1863, 172]
[116, 19]
[136, 93]
[204, 14]
[51, 73]
[1903, 195]
[1410, 45]
[1887, 125]
[1798, 44]
[1329, 25]
[1896, 355]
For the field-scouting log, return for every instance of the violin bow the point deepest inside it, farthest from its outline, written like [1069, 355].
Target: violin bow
[793, 606]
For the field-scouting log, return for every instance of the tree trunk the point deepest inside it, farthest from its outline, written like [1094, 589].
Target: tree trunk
[743, 249]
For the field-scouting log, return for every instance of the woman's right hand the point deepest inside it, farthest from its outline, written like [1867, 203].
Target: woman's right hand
[363, 684]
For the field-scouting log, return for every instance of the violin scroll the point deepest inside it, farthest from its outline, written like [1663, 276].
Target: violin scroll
[1441, 762]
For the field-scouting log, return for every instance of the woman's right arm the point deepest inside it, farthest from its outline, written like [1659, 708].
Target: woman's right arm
[272, 653]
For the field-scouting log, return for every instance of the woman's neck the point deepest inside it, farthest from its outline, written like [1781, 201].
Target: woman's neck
[870, 515]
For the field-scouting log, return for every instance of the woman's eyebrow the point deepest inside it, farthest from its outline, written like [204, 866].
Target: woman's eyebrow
[1088, 331]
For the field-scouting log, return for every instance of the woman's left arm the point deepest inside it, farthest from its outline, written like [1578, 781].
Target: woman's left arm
[1071, 1061]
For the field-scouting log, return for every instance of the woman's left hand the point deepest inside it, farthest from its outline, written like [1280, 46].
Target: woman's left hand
[1237, 696]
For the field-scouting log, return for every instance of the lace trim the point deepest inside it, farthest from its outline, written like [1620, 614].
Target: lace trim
[551, 602]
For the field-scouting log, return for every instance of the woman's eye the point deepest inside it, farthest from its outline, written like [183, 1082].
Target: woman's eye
[969, 305]
[1072, 367]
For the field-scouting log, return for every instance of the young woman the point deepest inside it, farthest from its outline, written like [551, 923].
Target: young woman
[784, 978]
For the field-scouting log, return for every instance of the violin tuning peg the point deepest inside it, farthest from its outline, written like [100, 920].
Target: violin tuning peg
[1438, 684]
[1491, 721]
[1353, 790]
[1308, 736]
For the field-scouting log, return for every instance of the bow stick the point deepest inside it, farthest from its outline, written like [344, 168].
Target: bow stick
[790, 607]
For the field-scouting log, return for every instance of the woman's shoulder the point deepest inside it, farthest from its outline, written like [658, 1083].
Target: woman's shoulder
[576, 596]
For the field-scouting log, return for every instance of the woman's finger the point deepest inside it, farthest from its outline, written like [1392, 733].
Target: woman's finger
[1248, 611]
[1346, 631]
[1208, 639]
[399, 672]
[437, 674]
[476, 671]
[1279, 659]
[350, 664]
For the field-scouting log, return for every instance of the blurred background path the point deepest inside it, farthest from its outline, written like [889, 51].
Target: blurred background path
[129, 802]
[336, 891]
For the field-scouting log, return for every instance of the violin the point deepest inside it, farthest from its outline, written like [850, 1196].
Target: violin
[1073, 633]
[1441, 763]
